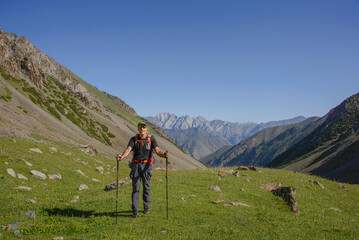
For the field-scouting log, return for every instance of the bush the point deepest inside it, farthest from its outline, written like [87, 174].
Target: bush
[110, 135]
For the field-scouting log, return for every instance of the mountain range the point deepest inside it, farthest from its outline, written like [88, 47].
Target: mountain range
[202, 137]
[326, 146]
[42, 100]
[260, 148]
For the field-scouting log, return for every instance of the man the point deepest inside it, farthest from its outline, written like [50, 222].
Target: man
[142, 146]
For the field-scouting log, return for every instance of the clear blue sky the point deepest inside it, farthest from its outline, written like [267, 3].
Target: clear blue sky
[233, 60]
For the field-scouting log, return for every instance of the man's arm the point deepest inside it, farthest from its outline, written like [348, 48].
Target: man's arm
[124, 154]
[161, 154]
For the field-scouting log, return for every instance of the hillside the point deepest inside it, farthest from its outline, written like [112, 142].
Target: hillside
[242, 209]
[40, 97]
[330, 150]
[262, 147]
[197, 141]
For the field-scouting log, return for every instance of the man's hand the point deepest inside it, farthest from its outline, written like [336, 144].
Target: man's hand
[118, 157]
[166, 154]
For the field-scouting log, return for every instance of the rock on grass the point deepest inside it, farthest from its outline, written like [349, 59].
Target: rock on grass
[82, 187]
[35, 150]
[11, 172]
[24, 188]
[215, 188]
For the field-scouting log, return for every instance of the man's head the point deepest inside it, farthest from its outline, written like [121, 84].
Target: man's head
[142, 128]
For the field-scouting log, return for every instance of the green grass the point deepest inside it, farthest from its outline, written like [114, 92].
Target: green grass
[5, 93]
[55, 99]
[93, 216]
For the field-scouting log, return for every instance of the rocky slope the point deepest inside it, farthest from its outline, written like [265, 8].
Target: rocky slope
[327, 146]
[330, 150]
[262, 147]
[41, 99]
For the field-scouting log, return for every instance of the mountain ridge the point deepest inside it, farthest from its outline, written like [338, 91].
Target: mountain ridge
[326, 146]
[40, 98]
[331, 149]
[260, 148]
[233, 132]
[225, 132]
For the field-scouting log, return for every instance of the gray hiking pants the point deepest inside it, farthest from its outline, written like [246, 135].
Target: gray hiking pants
[140, 171]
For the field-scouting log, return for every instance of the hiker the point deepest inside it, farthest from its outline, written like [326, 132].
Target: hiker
[142, 146]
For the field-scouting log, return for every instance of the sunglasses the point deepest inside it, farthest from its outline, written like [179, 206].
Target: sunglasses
[142, 127]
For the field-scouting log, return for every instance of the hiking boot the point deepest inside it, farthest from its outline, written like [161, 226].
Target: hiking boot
[146, 211]
[135, 214]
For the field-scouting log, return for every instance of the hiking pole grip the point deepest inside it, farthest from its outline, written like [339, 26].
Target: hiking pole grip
[117, 189]
[167, 183]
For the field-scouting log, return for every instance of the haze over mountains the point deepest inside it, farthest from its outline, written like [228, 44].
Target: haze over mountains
[202, 137]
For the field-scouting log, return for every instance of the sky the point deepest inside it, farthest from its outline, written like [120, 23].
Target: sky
[232, 60]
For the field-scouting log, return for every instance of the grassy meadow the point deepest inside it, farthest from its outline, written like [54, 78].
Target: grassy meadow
[329, 213]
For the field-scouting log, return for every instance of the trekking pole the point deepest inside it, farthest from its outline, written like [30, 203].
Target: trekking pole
[167, 183]
[117, 189]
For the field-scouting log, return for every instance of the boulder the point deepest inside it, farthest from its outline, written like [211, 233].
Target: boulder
[13, 225]
[231, 171]
[38, 174]
[89, 150]
[75, 199]
[113, 185]
[336, 209]
[24, 188]
[254, 169]
[27, 163]
[221, 174]
[236, 174]
[55, 176]
[288, 193]
[237, 204]
[215, 188]
[80, 172]
[317, 183]
[19, 175]
[248, 168]
[82, 187]
[53, 149]
[271, 186]
[242, 168]
[35, 150]
[11, 172]
[30, 214]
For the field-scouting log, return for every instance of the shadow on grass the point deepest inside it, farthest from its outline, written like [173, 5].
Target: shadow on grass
[71, 212]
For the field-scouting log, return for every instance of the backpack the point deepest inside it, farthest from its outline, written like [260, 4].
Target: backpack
[150, 143]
